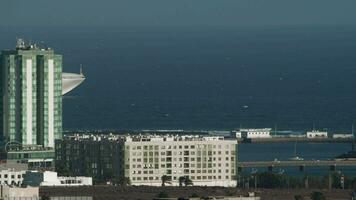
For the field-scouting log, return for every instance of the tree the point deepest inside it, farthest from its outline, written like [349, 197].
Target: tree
[194, 195]
[298, 197]
[271, 180]
[188, 181]
[181, 181]
[165, 179]
[121, 181]
[185, 180]
[45, 197]
[162, 195]
[318, 196]
[62, 169]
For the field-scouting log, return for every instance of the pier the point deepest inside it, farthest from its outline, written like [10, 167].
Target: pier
[297, 139]
[301, 164]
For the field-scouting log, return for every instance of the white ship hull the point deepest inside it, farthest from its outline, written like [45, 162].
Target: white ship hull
[71, 81]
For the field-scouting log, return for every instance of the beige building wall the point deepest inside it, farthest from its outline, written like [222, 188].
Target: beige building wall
[209, 161]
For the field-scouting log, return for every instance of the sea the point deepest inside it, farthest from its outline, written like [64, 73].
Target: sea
[208, 78]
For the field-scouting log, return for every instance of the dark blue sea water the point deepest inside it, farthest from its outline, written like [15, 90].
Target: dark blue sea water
[216, 78]
[205, 77]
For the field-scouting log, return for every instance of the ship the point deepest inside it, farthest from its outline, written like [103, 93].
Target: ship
[71, 81]
[296, 157]
[350, 155]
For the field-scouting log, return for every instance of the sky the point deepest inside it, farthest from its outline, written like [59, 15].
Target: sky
[176, 12]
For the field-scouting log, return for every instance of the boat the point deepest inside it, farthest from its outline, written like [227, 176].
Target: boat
[351, 155]
[296, 157]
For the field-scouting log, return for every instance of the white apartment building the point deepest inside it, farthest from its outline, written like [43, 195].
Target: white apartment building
[317, 134]
[209, 161]
[254, 133]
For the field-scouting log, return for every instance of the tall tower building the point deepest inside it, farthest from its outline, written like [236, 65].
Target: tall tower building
[31, 95]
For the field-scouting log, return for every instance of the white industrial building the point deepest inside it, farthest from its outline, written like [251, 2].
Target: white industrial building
[17, 174]
[49, 178]
[317, 134]
[254, 133]
[343, 136]
[207, 161]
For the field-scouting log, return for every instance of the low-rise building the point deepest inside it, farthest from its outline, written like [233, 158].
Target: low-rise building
[11, 177]
[145, 159]
[253, 133]
[36, 157]
[19, 193]
[317, 134]
[48, 178]
[11, 173]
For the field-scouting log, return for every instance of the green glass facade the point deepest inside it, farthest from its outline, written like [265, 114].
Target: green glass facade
[31, 88]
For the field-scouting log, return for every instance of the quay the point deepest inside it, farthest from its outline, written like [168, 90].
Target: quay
[296, 139]
[301, 164]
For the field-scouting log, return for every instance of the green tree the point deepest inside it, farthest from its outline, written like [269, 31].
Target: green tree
[181, 181]
[121, 181]
[317, 182]
[318, 196]
[271, 180]
[62, 169]
[162, 195]
[165, 179]
[108, 175]
[298, 197]
[194, 195]
[45, 197]
[187, 181]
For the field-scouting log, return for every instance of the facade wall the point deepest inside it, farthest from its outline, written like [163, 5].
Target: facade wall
[32, 102]
[317, 134]
[49, 178]
[204, 162]
[254, 133]
[99, 159]
[19, 193]
[11, 177]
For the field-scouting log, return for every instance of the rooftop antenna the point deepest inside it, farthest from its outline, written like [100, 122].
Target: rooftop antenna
[81, 69]
[20, 43]
[353, 138]
[313, 126]
[43, 45]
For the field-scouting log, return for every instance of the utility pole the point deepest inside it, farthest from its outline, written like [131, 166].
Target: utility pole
[255, 181]
[306, 182]
[353, 138]
[342, 181]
